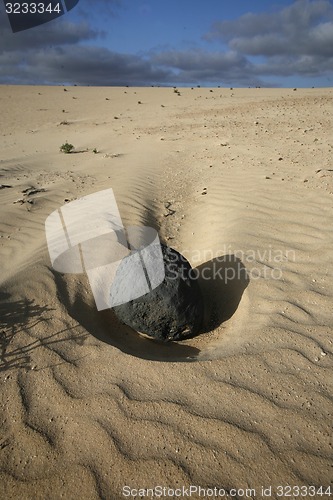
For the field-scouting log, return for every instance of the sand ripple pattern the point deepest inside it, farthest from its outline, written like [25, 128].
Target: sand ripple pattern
[87, 406]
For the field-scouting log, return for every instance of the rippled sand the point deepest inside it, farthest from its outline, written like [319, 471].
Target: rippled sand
[87, 405]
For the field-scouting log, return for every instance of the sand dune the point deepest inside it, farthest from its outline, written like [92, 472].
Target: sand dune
[89, 406]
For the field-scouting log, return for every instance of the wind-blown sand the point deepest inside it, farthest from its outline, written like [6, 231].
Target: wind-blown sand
[87, 405]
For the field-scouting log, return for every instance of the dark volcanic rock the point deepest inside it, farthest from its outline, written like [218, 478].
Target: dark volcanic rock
[171, 311]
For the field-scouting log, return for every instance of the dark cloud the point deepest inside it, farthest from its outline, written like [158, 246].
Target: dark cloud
[83, 65]
[95, 66]
[198, 59]
[57, 32]
[195, 66]
[296, 40]
[57, 53]
[304, 66]
[303, 28]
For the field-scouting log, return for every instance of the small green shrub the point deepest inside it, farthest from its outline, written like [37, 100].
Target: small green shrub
[66, 148]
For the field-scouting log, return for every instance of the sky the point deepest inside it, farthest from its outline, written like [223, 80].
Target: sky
[209, 43]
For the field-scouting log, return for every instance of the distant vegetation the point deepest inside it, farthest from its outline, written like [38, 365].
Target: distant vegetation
[66, 148]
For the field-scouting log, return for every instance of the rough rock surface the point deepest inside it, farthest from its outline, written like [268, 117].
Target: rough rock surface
[171, 311]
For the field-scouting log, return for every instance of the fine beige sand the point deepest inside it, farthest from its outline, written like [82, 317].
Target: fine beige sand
[241, 182]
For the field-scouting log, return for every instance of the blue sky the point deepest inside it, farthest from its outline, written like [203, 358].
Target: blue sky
[209, 43]
[178, 24]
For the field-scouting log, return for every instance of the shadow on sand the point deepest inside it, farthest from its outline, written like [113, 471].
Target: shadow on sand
[222, 281]
[22, 316]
